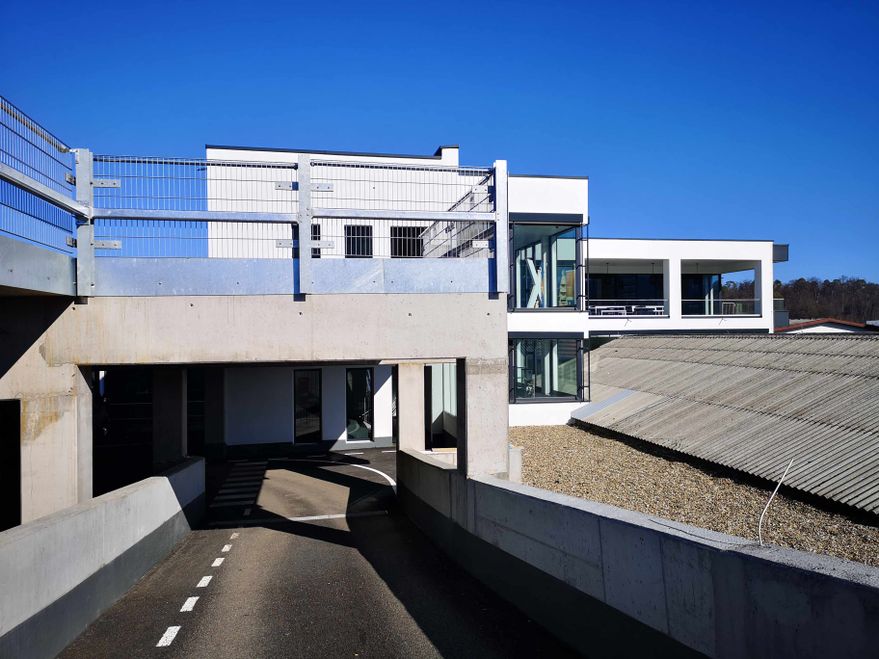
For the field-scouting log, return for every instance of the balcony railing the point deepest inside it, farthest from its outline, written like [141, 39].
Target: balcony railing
[407, 188]
[30, 152]
[628, 307]
[720, 307]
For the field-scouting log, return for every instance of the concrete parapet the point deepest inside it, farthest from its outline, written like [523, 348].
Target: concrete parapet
[613, 582]
[58, 573]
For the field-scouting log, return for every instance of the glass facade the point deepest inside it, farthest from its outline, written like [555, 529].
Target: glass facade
[359, 391]
[545, 260]
[307, 405]
[545, 369]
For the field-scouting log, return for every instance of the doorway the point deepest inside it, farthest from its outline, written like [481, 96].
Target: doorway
[307, 405]
[10, 464]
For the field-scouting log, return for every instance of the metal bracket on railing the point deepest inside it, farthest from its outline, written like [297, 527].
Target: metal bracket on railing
[71, 241]
[286, 243]
[321, 187]
[107, 183]
[285, 185]
[108, 244]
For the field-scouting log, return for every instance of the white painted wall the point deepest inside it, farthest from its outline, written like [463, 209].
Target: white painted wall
[542, 414]
[545, 194]
[260, 409]
[259, 405]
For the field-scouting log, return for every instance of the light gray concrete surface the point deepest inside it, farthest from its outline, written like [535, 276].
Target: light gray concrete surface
[53, 341]
[719, 595]
[45, 560]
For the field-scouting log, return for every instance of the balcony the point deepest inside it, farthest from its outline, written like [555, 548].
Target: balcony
[174, 226]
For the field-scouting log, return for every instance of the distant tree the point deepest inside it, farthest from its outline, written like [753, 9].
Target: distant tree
[846, 298]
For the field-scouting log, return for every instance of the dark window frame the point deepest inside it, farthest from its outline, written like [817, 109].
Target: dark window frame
[358, 244]
[583, 357]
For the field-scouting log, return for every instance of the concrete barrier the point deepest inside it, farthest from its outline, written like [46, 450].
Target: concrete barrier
[613, 582]
[59, 572]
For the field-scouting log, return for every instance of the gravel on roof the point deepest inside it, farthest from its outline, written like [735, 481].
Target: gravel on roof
[573, 461]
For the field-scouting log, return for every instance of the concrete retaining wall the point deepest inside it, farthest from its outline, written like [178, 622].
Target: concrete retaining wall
[618, 583]
[58, 573]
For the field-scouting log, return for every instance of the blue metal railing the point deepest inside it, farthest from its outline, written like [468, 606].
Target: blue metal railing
[31, 150]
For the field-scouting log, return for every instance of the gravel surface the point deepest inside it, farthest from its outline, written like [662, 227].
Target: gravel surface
[572, 461]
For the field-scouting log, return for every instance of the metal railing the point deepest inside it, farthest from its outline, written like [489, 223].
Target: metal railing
[358, 238]
[190, 185]
[397, 187]
[720, 307]
[30, 149]
[628, 307]
[186, 239]
[29, 218]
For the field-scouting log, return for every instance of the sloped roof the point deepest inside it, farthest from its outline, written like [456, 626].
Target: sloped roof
[752, 403]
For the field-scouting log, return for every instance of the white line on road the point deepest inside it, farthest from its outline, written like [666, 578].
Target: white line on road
[217, 562]
[393, 450]
[246, 512]
[233, 536]
[226, 548]
[189, 604]
[168, 636]
[348, 464]
[310, 518]
[203, 582]
[354, 453]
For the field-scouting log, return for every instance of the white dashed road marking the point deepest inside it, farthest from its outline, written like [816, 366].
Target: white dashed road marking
[189, 604]
[168, 636]
[204, 582]
[310, 518]
[226, 548]
[217, 562]
[233, 536]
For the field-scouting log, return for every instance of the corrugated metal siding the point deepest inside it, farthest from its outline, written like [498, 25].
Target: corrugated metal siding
[752, 403]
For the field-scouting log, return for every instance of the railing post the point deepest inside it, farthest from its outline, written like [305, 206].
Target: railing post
[85, 230]
[501, 227]
[306, 214]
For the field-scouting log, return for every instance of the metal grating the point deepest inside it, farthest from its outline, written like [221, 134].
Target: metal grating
[752, 403]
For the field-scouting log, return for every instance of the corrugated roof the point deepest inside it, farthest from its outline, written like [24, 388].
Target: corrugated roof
[752, 403]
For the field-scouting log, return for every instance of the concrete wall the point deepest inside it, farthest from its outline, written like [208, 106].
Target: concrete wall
[45, 342]
[56, 408]
[615, 582]
[57, 574]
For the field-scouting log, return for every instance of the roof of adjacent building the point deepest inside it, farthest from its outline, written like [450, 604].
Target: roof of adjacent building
[818, 322]
[752, 403]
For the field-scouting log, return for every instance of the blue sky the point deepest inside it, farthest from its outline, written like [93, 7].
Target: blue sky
[698, 120]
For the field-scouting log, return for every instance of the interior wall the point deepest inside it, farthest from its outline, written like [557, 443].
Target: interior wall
[259, 405]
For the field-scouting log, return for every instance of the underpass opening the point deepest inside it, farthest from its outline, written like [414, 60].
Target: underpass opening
[10, 464]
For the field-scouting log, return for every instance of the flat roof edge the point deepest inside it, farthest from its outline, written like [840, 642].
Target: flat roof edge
[368, 154]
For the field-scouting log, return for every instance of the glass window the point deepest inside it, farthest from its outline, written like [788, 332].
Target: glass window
[407, 242]
[358, 241]
[545, 368]
[358, 402]
[441, 392]
[545, 261]
[315, 235]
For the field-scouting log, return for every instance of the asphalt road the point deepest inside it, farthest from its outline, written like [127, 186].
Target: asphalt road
[309, 557]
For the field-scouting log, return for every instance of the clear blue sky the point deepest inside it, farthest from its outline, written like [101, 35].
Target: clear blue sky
[702, 120]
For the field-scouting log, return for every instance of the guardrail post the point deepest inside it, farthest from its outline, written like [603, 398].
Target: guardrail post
[501, 227]
[85, 230]
[306, 214]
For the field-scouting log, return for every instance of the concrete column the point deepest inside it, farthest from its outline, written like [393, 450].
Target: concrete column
[214, 411]
[84, 434]
[484, 445]
[764, 292]
[169, 416]
[410, 405]
[671, 272]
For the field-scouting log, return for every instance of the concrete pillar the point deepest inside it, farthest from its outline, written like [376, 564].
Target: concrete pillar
[671, 272]
[483, 447]
[214, 411]
[84, 434]
[764, 292]
[169, 416]
[410, 405]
